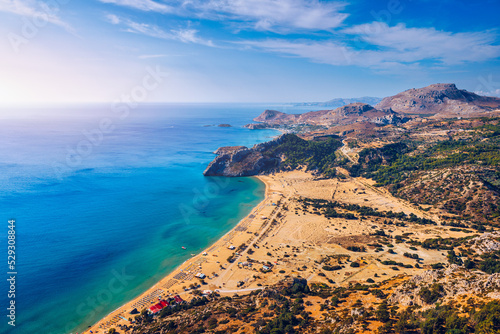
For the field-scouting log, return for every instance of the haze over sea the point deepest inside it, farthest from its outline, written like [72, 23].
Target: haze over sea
[97, 224]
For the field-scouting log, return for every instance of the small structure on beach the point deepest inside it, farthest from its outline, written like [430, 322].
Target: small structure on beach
[200, 275]
[232, 247]
[158, 307]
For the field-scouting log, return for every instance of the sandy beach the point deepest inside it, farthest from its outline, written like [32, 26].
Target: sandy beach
[208, 262]
[292, 240]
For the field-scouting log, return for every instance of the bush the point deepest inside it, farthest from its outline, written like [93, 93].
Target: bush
[430, 296]
[331, 268]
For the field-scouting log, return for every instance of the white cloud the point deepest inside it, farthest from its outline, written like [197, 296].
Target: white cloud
[113, 19]
[36, 10]
[152, 56]
[382, 47]
[183, 35]
[373, 45]
[400, 43]
[495, 93]
[144, 5]
[264, 15]
[275, 15]
[326, 52]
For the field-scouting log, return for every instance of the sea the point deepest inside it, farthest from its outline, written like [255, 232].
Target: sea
[104, 199]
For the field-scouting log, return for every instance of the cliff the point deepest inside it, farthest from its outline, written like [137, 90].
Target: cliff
[444, 99]
[243, 161]
[285, 152]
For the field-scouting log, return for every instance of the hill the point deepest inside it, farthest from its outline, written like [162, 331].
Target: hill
[444, 99]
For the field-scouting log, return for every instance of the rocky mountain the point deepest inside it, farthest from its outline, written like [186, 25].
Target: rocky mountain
[443, 98]
[348, 114]
[243, 161]
[339, 102]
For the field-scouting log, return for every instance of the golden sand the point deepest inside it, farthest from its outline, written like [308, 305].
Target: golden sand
[294, 242]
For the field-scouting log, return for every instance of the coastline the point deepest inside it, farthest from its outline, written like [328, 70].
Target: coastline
[282, 239]
[183, 274]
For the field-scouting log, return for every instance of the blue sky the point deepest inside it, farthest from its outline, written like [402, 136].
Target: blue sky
[61, 51]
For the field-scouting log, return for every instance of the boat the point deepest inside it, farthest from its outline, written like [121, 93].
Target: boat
[183, 247]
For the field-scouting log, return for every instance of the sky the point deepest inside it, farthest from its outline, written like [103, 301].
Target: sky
[69, 51]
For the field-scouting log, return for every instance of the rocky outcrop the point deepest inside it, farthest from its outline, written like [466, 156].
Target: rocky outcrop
[393, 119]
[243, 161]
[444, 99]
[228, 149]
[454, 281]
[224, 125]
[486, 243]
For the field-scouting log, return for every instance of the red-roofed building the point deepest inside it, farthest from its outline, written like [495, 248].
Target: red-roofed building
[158, 307]
[178, 299]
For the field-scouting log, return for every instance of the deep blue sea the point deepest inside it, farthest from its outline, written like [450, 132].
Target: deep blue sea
[104, 201]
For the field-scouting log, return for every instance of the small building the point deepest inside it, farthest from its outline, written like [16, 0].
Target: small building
[266, 268]
[232, 247]
[158, 307]
[200, 275]
[178, 299]
[206, 292]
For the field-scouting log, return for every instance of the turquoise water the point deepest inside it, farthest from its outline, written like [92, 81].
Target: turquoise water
[101, 219]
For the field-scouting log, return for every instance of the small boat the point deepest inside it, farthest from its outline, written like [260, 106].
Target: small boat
[183, 247]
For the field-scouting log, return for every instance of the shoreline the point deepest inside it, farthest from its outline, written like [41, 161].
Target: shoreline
[167, 284]
[282, 238]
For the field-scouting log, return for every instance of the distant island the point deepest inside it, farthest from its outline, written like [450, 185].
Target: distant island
[220, 125]
[339, 102]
